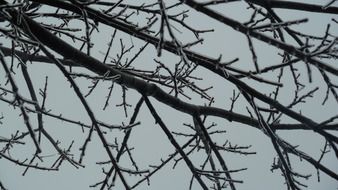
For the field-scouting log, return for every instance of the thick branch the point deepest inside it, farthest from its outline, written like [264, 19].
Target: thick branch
[68, 52]
[295, 6]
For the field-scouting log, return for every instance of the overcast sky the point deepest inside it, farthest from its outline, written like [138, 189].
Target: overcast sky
[150, 143]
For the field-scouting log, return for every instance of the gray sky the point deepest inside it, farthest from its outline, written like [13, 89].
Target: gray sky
[149, 142]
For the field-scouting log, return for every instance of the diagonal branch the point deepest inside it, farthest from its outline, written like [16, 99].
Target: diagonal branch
[26, 25]
[174, 143]
[69, 52]
[259, 36]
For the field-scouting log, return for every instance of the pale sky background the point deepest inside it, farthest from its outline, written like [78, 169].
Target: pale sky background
[149, 141]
